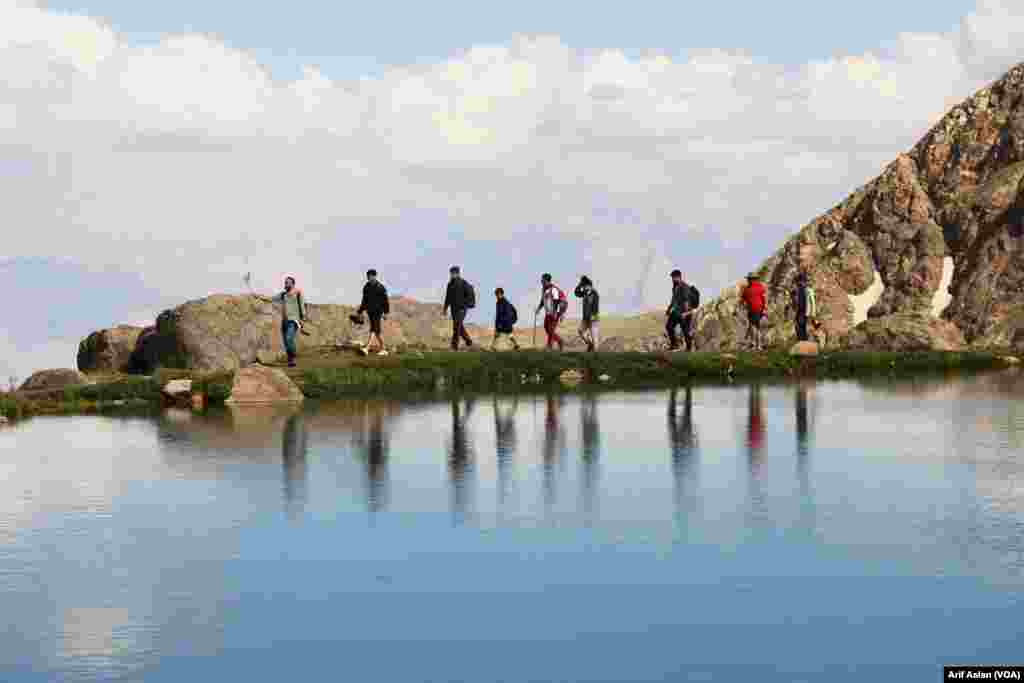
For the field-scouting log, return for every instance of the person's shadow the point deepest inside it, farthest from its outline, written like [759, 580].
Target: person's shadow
[294, 447]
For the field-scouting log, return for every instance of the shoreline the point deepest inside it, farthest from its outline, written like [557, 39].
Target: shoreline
[332, 375]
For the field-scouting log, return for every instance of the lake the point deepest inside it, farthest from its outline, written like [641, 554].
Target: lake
[786, 532]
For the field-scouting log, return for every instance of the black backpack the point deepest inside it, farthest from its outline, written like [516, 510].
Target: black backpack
[515, 314]
[470, 295]
[694, 297]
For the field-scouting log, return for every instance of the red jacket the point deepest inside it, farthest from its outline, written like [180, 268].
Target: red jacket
[754, 297]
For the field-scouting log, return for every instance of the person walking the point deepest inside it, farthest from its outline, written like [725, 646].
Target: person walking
[684, 303]
[458, 298]
[376, 305]
[505, 318]
[805, 304]
[293, 314]
[754, 298]
[589, 329]
[554, 304]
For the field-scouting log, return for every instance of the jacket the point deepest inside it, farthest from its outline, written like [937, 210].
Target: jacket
[551, 300]
[805, 302]
[456, 297]
[375, 299]
[682, 301]
[504, 316]
[754, 297]
[591, 303]
[292, 305]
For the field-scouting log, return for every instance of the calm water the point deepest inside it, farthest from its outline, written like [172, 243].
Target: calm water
[815, 532]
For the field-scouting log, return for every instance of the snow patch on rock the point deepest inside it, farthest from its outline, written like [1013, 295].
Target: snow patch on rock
[942, 298]
[864, 301]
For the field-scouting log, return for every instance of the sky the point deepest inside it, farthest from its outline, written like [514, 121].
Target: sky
[156, 152]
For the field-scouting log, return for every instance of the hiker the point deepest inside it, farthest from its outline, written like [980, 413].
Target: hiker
[554, 304]
[293, 314]
[805, 304]
[589, 329]
[376, 305]
[505, 318]
[459, 298]
[685, 300]
[754, 299]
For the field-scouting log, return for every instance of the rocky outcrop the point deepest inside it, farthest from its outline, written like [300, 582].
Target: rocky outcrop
[108, 350]
[906, 332]
[53, 379]
[956, 195]
[258, 385]
[227, 332]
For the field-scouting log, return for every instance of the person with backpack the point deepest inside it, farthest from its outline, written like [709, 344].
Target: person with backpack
[805, 304]
[589, 330]
[554, 304]
[376, 305]
[459, 298]
[505, 318]
[754, 298]
[684, 303]
[293, 314]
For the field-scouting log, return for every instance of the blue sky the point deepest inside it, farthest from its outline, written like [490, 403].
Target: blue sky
[353, 39]
[155, 152]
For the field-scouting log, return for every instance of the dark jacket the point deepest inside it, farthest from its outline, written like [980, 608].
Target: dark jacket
[682, 300]
[591, 303]
[375, 299]
[504, 316]
[456, 297]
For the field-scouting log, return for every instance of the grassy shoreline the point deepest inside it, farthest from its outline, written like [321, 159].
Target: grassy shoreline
[336, 375]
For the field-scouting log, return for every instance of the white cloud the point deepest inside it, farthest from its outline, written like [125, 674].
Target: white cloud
[186, 161]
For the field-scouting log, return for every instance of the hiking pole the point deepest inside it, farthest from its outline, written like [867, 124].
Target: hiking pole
[535, 330]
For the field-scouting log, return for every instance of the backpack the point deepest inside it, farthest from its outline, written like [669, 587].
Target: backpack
[694, 297]
[514, 312]
[562, 303]
[470, 295]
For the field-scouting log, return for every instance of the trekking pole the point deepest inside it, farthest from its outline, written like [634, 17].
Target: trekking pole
[535, 330]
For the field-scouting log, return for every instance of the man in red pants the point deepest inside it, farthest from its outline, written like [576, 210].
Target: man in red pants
[554, 303]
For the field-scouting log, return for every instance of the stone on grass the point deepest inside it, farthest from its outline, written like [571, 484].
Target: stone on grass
[804, 348]
[257, 385]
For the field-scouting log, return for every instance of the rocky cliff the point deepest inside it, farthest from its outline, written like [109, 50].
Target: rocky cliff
[936, 237]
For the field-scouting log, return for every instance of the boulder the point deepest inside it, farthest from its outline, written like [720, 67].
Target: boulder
[258, 385]
[4, 420]
[571, 377]
[108, 350]
[53, 379]
[178, 390]
[905, 332]
[804, 348]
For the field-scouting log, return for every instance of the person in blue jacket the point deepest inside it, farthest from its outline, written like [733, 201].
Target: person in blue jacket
[505, 318]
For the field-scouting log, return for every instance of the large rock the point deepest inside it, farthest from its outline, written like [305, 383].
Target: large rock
[258, 385]
[906, 332]
[108, 350]
[53, 379]
[804, 348]
[225, 332]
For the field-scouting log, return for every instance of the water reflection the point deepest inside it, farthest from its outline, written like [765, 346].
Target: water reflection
[554, 446]
[590, 433]
[294, 448]
[460, 460]
[506, 441]
[371, 442]
[755, 442]
[682, 439]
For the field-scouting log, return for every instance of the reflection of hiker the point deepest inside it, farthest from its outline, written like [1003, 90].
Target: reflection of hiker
[554, 444]
[590, 433]
[755, 302]
[802, 431]
[554, 304]
[755, 428]
[805, 305]
[505, 318]
[685, 300]
[505, 441]
[375, 303]
[293, 314]
[293, 457]
[589, 330]
[682, 438]
[460, 459]
[459, 298]
[371, 444]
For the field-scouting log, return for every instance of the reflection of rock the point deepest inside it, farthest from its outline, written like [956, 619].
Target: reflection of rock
[53, 379]
[93, 632]
[906, 332]
[108, 350]
[260, 385]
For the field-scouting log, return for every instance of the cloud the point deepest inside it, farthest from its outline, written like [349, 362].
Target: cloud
[187, 162]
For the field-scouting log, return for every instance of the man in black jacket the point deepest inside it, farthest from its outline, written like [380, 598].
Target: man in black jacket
[589, 330]
[680, 312]
[459, 299]
[375, 303]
